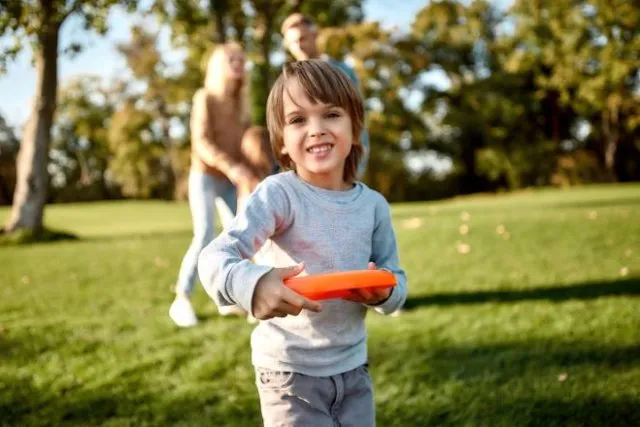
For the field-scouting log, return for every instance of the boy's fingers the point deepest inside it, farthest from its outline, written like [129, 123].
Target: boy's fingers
[279, 313]
[298, 301]
[291, 271]
[381, 292]
[372, 266]
[312, 305]
[355, 296]
[365, 294]
[291, 309]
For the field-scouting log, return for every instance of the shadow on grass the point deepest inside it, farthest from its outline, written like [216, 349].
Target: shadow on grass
[584, 291]
[21, 238]
[494, 385]
[595, 203]
[507, 384]
[24, 237]
[509, 411]
[145, 235]
[125, 402]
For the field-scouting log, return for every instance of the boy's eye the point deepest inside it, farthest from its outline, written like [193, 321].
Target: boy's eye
[333, 114]
[296, 120]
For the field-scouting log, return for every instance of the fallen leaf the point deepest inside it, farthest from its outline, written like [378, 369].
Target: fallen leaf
[412, 223]
[563, 377]
[593, 215]
[26, 280]
[506, 235]
[500, 229]
[624, 271]
[463, 248]
[465, 216]
[628, 252]
[464, 229]
[160, 262]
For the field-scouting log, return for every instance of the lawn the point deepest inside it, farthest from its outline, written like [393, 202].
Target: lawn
[531, 318]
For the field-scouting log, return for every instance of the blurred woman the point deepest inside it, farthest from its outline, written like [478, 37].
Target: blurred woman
[219, 117]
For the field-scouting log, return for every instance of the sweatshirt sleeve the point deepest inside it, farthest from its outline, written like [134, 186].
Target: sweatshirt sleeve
[224, 266]
[385, 255]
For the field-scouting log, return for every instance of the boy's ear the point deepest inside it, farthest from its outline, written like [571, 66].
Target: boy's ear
[283, 150]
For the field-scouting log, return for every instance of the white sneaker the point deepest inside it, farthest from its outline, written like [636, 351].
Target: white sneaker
[231, 310]
[181, 312]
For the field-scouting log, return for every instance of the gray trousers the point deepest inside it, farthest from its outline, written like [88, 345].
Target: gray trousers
[289, 399]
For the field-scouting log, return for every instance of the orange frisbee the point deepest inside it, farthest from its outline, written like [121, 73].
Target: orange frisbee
[339, 285]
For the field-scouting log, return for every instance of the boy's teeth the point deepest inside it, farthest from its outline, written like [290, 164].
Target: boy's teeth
[320, 148]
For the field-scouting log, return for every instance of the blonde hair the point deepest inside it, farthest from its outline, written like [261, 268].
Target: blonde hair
[216, 81]
[321, 82]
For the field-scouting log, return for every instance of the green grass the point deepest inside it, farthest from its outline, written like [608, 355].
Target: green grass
[542, 328]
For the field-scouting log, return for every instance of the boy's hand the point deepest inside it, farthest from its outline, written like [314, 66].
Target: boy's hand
[370, 296]
[271, 298]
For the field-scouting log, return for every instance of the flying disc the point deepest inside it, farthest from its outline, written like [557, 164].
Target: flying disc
[340, 284]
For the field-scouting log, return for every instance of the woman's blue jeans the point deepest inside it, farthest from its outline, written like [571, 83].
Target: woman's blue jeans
[203, 190]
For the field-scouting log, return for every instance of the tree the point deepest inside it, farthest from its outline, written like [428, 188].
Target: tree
[198, 25]
[163, 92]
[582, 59]
[39, 22]
[138, 153]
[79, 152]
[609, 89]
[8, 148]
[461, 43]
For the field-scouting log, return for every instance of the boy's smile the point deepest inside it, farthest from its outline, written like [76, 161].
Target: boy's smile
[318, 138]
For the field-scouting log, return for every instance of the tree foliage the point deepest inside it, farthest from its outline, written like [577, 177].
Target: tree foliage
[38, 23]
[542, 93]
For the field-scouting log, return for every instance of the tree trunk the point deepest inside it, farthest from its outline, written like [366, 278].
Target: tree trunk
[32, 177]
[219, 8]
[611, 135]
[265, 45]
[261, 76]
[165, 125]
[469, 181]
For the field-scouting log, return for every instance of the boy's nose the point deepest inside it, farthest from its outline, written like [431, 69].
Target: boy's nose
[317, 133]
[316, 127]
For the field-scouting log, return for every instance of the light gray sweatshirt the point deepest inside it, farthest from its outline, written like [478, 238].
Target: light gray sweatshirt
[329, 231]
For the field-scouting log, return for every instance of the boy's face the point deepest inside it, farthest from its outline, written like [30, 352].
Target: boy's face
[317, 137]
[301, 42]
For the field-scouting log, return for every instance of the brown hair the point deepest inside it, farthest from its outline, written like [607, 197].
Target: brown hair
[296, 20]
[321, 82]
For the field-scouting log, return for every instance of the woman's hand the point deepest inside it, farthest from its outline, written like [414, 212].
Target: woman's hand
[244, 180]
[370, 296]
[271, 298]
[239, 173]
